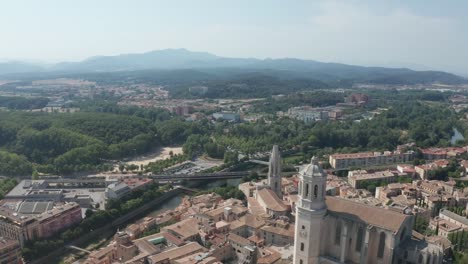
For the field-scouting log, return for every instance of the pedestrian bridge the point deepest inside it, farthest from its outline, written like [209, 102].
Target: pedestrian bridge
[79, 249]
[261, 162]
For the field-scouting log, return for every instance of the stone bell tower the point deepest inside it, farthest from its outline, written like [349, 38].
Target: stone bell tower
[310, 211]
[274, 172]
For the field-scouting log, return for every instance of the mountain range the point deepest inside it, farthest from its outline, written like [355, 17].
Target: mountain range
[177, 59]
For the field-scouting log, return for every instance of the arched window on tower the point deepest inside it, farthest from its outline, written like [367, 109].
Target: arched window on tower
[359, 238]
[381, 248]
[315, 191]
[338, 233]
[307, 190]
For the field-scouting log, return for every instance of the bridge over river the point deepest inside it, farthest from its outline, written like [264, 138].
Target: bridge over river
[200, 176]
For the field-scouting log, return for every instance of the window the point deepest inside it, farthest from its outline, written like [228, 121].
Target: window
[381, 248]
[428, 259]
[359, 238]
[338, 233]
[315, 191]
[420, 258]
[301, 262]
[303, 227]
[302, 246]
[307, 191]
[276, 185]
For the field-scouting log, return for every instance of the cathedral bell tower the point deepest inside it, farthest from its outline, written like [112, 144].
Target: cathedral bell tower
[274, 172]
[310, 211]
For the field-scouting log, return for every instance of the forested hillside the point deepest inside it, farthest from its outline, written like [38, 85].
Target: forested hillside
[64, 143]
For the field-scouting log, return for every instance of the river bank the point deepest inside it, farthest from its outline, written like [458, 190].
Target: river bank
[160, 153]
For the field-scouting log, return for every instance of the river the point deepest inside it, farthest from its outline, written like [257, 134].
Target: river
[172, 203]
[456, 136]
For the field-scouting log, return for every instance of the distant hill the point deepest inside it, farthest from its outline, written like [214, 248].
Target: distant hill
[182, 59]
[19, 67]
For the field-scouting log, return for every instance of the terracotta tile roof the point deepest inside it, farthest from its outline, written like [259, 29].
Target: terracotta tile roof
[146, 247]
[268, 256]
[238, 239]
[375, 216]
[248, 220]
[438, 240]
[100, 254]
[255, 238]
[177, 253]
[173, 239]
[253, 221]
[220, 210]
[185, 228]
[221, 224]
[464, 163]
[255, 208]
[271, 200]
[288, 231]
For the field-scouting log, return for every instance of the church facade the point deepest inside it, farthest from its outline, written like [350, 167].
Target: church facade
[334, 230]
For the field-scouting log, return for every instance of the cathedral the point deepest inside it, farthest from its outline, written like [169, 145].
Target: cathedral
[331, 230]
[335, 230]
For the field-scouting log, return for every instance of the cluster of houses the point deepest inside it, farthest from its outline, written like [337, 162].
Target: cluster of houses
[407, 188]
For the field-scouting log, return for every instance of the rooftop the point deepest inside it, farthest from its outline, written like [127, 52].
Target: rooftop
[268, 255]
[375, 216]
[271, 200]
[454, 216]
[238, 239]
[8, 212]
[287, 231]
[180, 252]
[185, 228]
[364, 155]
[7, 243]
[248, 220]
[369, 176]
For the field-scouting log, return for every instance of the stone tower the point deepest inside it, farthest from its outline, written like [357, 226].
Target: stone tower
[310, 211]
[274, 172]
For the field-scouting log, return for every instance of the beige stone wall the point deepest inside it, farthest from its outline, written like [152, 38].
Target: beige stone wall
[276, 239]
[331, 249]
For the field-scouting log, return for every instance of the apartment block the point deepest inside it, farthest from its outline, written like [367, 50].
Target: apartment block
[369, 159]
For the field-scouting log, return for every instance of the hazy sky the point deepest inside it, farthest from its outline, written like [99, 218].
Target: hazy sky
[416, 33]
